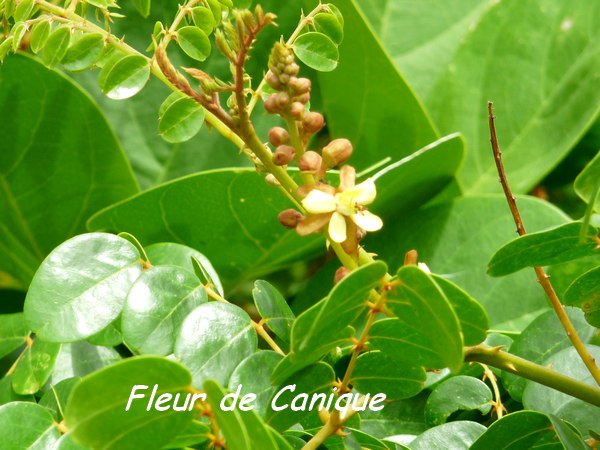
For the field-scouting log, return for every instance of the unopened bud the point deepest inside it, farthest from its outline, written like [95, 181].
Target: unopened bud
[337, 152]
[313, 122]
[302, 98]
[278, 136]
[270, 179]
[340, 274]
[272, 105]
[300, 85]
[283, 99]
[310, 162]
[273, 81]
[290, 218]
[297, 110]
[284, 154]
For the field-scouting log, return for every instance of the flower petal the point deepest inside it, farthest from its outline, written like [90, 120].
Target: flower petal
[337, 227]
[318, 202]
[312, 224]
[367, 221]
[366, 192]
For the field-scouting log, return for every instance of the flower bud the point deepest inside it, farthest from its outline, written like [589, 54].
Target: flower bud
[337, 152]
[278, 136]
[300, 85]
[340, 274]
[270, 179]
[313, 122]
[310, 162]
[303, 98]
[283, 99]
[284, 154]
[273, 81]
[272, 105]
[292, 69]
[297, 110]
[290, 218]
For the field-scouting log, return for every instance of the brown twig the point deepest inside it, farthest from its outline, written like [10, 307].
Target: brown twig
[542, 277]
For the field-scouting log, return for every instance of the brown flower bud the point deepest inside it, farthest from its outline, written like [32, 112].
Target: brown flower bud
[290, 218]
[292, 69]
[313, 122]
[273, 81]
[278, 136]
[300, 85]
[283, 99]
[284, 154]
[297, 110]
[340, 274]
[310, 162]
[337, 152]
[302, 98]
[271, 104]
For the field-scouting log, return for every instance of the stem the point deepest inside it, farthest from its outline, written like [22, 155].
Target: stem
[496, 404]
[589, 212]
[296, 142]
[493, 356]
[542, 278]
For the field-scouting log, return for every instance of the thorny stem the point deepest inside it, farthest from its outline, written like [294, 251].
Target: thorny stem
[542, 278]
[497, 403]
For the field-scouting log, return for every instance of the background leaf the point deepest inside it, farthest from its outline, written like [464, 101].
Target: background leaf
[584, 292]
[34, 367]
[586, 182]
[457, 435]
[13, 331]
[273, 309]
[26, 425]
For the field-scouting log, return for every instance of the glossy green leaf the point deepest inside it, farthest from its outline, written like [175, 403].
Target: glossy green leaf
[125, 78]
[171, 254]
[56, 46]
[23, 10]
[67, 442]
[457, 239]
[181, 120]
[242, 429]
[544, 248]
[156, 306]
[101, 268]
[316, 378]
[96, 413]
[398, 417]
[6, 47]
[81, 168]
[39, 35]
[213, 340]
[273, 309]
[143, 7]
[25, 425]
[254, 375]
[473, 319]
[329, 25]
[84, 52]
[571, 439]
[194, 42]
[80, 359]
[542, 339]
[317, 51]
[457, 393]
[427, 317]
[457, 435]
[18, 32]
[376, 372]
[584, 293]
[56, 397]
[236, 208]
[34, 367]
[203, 19]
[8, 394]
[13, 331]
[216, 9]
[522, 429]
[386, 101]
[196, 433]
[322, 327]
[584, 416]
[109, 337]
[586, 183]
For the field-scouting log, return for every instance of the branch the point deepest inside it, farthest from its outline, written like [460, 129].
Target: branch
[542, 278]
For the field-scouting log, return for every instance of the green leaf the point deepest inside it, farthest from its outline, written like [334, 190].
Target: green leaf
[8, 394]
[66, 442]
[366, 76]
[317, 51]
[216, 10]
[584, 293]
[125, 78]
[522, 429]
[376, 372]
[84, 52]
[13, 331]
[203, 19]
[171, 254]
[196, 433]
[194, 42]
[156, 306]
[56, 46]
[567, 435]
[582, 415]
[473, 319]
[82, 168]
[251, 244]
[586, 183]
[316, 378]
[457, 435]
[457, 239]
[254, 375]
[322, 327]
[329, 25]
[398, 417]
[6, 47]
[273, 309]
[39, 35]
[109, 337]
[96, 413]
[542, 249]
[213, 340]
[23, 10]
[18, 32]
[242, 429]
[34, 367]
[81, 287]
[427, 318]
[143, 7]
[25, 425]
[542, 339]
[56, 397]
[456, 394]
[181, 120]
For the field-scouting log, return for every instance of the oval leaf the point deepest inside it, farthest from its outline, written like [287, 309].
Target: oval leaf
[83, 53]
[329, 25]
[203, 19]
[181, 120]
[194, 42]
[586, 183]
[34, 367]
[125, 78]
[56, 46]
[584, 293]
[25, 425]
[39, 35]
[457, 435]
[13, 331]
[273, 308]
[317, 51]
